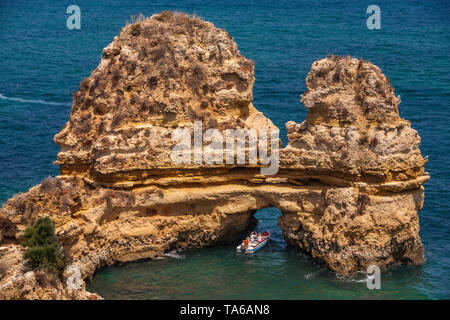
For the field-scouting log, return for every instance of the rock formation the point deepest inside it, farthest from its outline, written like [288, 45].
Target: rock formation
[367, 161]
[349, 185]
[164, 73]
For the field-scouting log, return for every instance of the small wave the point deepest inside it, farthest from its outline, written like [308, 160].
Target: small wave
[34, 101]
[354, 278]
[311, 275]
[174, 254]
[357, 280]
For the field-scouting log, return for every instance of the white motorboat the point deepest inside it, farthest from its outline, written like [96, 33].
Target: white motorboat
[254, 242]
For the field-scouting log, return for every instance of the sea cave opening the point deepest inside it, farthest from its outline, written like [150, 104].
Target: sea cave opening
[267, 220]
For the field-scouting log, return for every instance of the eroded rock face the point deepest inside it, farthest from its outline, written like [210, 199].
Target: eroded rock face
[353, 129]
[349, 184]
[354, 138]
[165, 72]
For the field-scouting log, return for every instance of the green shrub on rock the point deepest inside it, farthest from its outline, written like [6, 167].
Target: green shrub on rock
[43, 249]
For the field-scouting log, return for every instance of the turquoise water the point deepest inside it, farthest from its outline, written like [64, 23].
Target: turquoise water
[42, 63]
[274, 272]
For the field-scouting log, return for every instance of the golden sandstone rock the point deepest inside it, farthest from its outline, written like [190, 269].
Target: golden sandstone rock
[349, 183]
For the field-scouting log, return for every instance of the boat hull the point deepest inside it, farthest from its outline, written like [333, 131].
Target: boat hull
[253, 247]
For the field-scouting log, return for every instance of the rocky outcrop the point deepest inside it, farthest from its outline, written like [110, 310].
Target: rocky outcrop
[353, 129]
[354, 139]
[164, 73]
[21, 283]
[349, 182]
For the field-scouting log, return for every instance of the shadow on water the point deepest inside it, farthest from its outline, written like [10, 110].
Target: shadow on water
[274, 272]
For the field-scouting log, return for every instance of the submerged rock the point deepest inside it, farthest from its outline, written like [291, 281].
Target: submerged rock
[349, 184]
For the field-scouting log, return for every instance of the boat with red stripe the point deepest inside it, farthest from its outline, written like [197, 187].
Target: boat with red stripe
[254, 242]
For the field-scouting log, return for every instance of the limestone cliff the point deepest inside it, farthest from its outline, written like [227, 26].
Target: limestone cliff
[349, 184]
[353, 129]
[163, 73]
[354, 139]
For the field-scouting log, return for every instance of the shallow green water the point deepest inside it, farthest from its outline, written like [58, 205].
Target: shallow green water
[274, 272]
[42, 63]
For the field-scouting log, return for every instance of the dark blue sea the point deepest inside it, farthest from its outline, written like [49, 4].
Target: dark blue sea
[42, 63]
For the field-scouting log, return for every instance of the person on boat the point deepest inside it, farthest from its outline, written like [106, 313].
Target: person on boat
[253, 236]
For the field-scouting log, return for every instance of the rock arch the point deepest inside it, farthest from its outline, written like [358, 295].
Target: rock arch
[349, 184]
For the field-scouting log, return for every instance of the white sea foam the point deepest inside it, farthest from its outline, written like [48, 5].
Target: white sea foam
[34, 101]
[311, 275]
[354, 278]
[174, 254]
